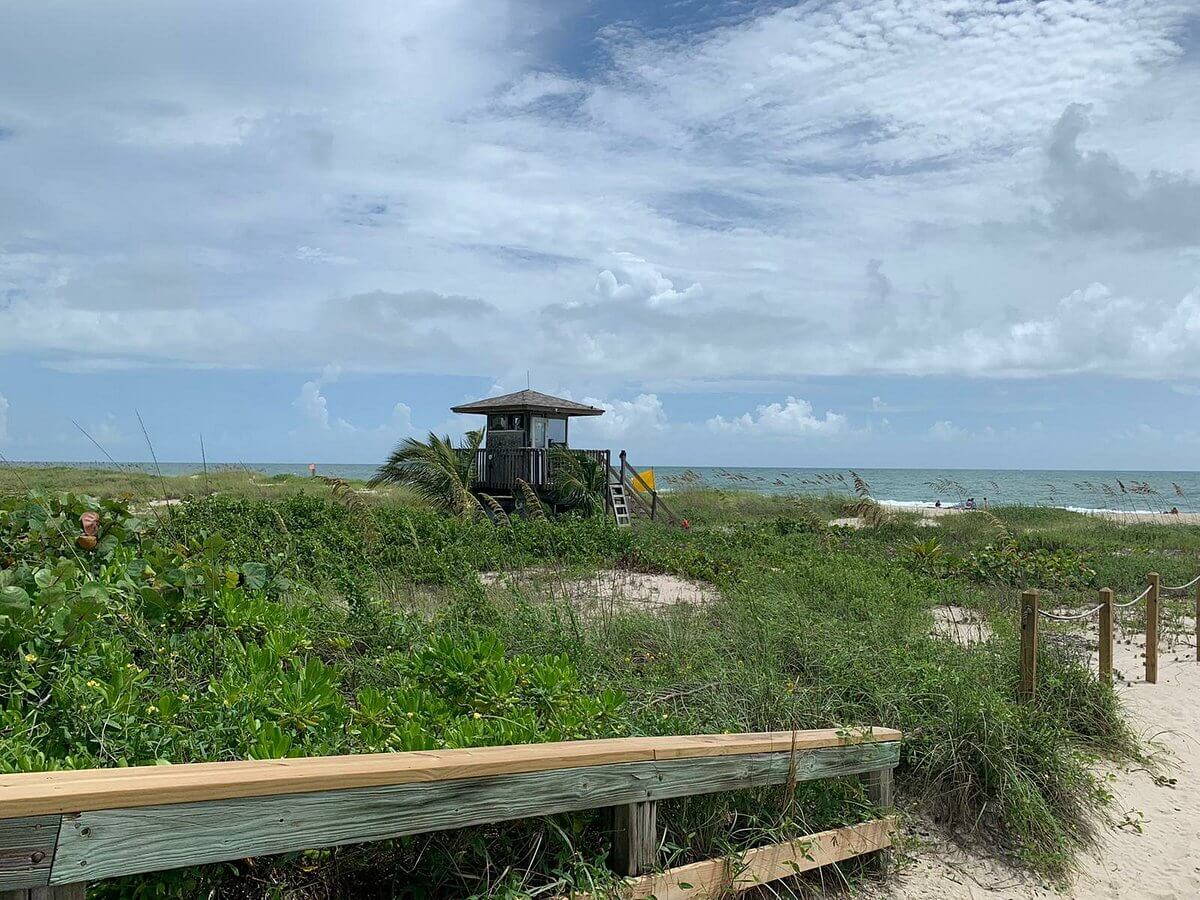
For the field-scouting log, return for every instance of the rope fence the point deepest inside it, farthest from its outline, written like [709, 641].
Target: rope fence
[1032, 613]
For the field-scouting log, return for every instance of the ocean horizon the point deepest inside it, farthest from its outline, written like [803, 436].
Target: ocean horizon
[1083, 490]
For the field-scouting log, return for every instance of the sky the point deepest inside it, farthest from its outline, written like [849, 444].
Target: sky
[927, 233]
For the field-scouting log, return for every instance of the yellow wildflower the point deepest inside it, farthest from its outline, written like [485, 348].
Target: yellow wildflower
[31, 657]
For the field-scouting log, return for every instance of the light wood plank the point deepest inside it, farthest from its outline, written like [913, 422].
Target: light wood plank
[27, 850]
[713, 879]
[42, 793]
[105, 843]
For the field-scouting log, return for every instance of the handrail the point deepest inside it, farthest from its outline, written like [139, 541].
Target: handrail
[658, 501]
[76, 790]
[66, 827]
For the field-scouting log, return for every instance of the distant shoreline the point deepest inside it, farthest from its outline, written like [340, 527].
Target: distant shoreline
[1118, 495]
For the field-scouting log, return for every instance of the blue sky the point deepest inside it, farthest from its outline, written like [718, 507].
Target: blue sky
[855, 232]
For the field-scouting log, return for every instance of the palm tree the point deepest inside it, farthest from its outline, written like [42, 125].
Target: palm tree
[579, 480]
[437, 470]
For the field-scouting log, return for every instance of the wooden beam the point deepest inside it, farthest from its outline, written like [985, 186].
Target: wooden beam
[45, 793]
[27, 850]
[105, 843]
[717, 878]
[879, 792]
[1105, 663]
[1152, 629]
[77, 891]
[634, 838]
[1029, 641]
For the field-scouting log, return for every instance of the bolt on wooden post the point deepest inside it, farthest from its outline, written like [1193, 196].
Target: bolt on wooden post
[1029, 624]
[1106, 635]
[1152, 630]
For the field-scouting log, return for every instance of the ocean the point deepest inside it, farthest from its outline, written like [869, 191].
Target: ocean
[1083, 490]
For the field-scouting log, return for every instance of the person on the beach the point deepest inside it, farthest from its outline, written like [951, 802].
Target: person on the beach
[312, 470]
[985, 502]
[937, 504]
[970, 504]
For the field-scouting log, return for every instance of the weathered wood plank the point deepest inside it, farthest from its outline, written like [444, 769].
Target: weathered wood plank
[27, 850]
[77, 891]
[716, 878]
[43, 793]
[104, 843]
[634, 838]
[879, 792]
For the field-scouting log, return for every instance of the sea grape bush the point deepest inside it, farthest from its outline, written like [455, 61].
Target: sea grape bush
[146, 649]
[1007, 563]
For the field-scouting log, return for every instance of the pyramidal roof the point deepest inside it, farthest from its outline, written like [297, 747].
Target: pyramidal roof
[529, 401]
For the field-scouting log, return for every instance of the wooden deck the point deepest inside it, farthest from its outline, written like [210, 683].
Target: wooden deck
[497, 470]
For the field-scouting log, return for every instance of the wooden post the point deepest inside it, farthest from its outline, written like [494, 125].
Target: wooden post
[654, 506]
[622, 468]
[77, 891]
[879, 792]
[1152, 630]
[634, 838]
[1106, 634]
[1029, 630]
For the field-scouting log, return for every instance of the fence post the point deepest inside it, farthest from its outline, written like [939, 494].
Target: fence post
[1029, 625]
[1152, 630]
[1106, 635]
[634, 837]
[879, 792]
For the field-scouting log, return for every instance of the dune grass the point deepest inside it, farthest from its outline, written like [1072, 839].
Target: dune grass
[142, 488]
[811, 627]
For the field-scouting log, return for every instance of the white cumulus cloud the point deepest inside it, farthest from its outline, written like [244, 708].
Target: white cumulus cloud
[627, 417]
[634, 279]
[792, 418]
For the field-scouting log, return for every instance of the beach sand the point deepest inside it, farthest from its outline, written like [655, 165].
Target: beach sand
[1151, 851]
[1124, 518]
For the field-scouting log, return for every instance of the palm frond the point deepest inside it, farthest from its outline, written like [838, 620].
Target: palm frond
[499, 516]
[532, 502]
[579, 480]
[438, 471]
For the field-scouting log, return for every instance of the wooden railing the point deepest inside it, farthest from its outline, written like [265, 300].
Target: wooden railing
[59, 830]
[500, 468]
[653, 504]
[1105, 610]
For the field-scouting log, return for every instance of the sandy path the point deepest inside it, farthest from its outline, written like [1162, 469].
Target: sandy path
[1160, 861]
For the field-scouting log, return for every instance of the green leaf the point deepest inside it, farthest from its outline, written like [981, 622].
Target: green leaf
[15, 598]
[255, 575]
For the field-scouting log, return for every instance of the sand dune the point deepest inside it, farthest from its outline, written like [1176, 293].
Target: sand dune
[1151, 852]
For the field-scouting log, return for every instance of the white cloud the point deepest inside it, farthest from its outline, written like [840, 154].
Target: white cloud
[631, 278]
[858, 186]
[625, 417]
[402, 418]
[945, 430]
[3, 418]
[793, 418]
[106, 432]
[313, 405]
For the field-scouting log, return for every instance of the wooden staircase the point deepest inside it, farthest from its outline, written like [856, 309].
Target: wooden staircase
[619, 503]
[621, 491]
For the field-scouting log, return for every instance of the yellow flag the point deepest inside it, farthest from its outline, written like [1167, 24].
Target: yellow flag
[644, 481]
